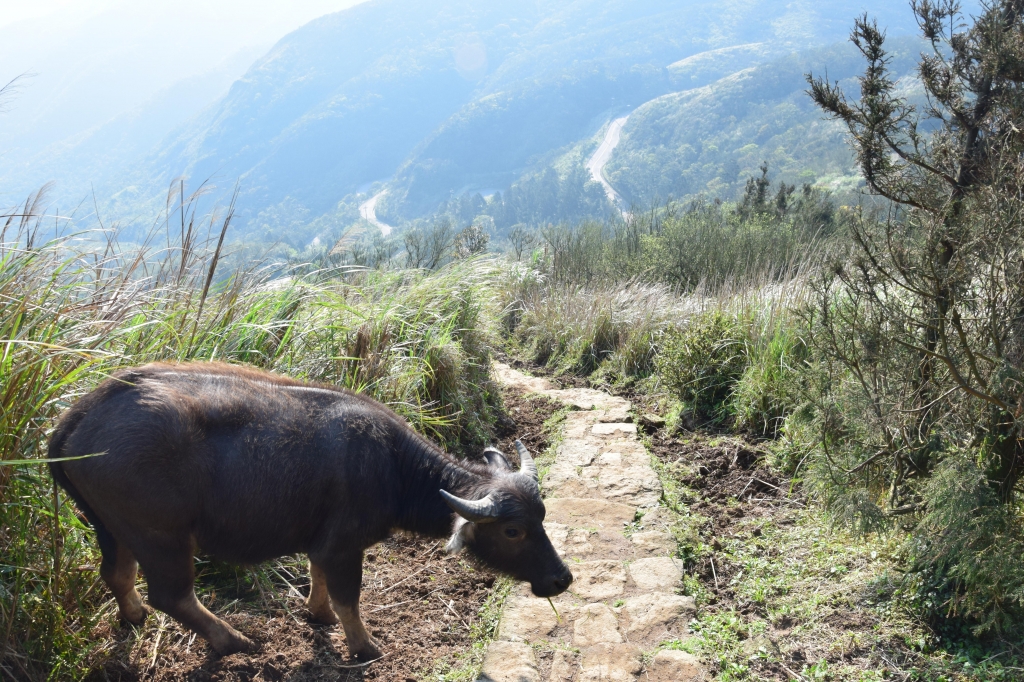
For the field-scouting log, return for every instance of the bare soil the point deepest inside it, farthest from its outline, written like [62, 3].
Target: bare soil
[733, 484]
[421, 604]
[737, 495]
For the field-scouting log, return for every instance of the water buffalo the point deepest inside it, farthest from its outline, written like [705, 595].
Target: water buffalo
[249, 466]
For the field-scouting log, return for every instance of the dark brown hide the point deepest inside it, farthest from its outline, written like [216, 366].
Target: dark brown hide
[248, 466]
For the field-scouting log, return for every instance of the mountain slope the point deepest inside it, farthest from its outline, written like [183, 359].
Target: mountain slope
[458, 96]
[712, 138]
[626, 53]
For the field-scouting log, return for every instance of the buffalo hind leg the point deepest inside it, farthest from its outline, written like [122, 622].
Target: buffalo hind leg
[170, 574]
[344, 574]
[119, 570]
[319, 601]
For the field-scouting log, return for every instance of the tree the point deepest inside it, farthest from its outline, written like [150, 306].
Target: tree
[521, 238]
[432, 247]
[925, 316]
[471, 241]
[755, 199]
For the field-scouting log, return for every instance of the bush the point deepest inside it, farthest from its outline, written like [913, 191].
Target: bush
[702, 362]
[706, 246]
[578, 329]
[769, 388]
[917, 330]
[965, 552]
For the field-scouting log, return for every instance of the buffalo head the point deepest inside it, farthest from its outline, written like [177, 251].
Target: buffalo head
[504, 527]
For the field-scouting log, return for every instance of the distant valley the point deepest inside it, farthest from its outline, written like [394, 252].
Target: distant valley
[461, 102]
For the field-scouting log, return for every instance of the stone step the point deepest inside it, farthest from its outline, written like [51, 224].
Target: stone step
[603, 516]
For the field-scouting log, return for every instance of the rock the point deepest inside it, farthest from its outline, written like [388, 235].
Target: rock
[595, 624]
[563, 480]
[578, 543]
[648, 541]
[577, 427]
[620, 452]
[613, 429]
[588, 399]
[656, 617]
[657, 518]
[597, 580]
[596, 544]
[512, 377]
[651, 421]
[670, 665]
[656, 574]
[636, 485]
[615, 414]
[563, 666]
[610, 663]
[557, 533]
[527, 619]
[577, 453]
[609, 459]
[509, 662]
[589, 513]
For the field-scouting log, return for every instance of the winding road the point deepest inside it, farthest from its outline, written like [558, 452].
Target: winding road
[596, 164]
[601, 157]
[368, 212]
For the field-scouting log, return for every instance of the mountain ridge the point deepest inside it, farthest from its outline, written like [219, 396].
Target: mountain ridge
[378, 91]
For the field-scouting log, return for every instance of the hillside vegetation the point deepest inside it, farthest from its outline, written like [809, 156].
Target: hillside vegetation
[711, 139]
[409, 95]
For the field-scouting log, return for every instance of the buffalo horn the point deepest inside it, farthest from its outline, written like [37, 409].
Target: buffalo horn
[496, 458]
[527, 465]
[477, 511]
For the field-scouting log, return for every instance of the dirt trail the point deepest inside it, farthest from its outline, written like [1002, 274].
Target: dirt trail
[604, 517]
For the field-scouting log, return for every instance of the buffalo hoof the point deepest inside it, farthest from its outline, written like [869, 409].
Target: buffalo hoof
[233, 642]
[136, 615]
[369, 651]
[323, 616]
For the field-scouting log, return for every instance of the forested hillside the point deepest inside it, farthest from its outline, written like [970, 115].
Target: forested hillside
[437, 100]
[711, 139]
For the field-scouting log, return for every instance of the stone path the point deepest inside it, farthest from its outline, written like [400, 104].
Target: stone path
[603, 517]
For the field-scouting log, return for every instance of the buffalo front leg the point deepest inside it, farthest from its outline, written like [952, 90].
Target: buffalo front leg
[169, 574]
[344, 574]
[319, 601]
[119, 570]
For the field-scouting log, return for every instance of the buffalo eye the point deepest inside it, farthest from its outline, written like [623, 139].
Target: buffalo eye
[513, 533]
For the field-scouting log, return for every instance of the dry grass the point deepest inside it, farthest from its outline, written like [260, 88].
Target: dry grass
[74, 309]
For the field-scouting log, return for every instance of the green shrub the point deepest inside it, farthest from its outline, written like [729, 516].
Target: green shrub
[917, 327]
[580, 328]
[966, 550]
[768, 390]
[702, 362]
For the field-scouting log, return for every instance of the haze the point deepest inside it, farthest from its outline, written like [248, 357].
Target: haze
[88, 62]
[330, 114]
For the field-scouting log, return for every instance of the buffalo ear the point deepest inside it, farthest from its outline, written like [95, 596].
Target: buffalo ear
[496, 460]
[461, 534]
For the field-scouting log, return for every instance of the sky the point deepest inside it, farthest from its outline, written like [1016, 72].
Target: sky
[85, 62]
